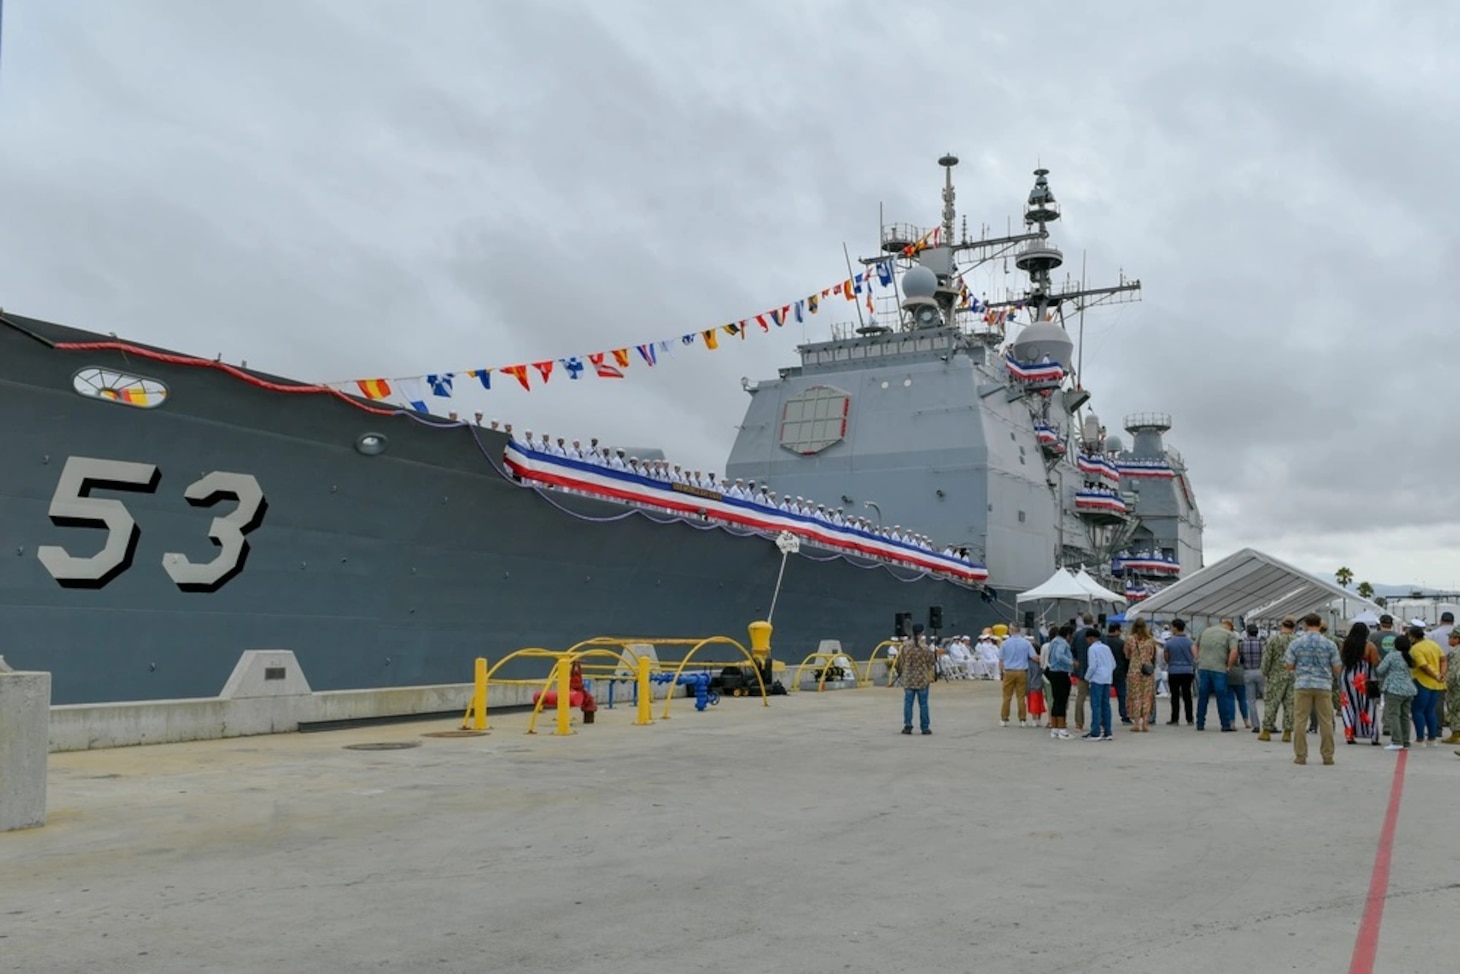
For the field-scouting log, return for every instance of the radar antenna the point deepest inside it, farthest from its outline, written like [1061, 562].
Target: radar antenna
[1038, 257]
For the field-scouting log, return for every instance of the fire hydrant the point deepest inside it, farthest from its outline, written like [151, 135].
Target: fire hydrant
[575, 684]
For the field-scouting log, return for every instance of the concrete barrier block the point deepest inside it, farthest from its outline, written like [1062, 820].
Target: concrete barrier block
[25, 713]
[265, 673]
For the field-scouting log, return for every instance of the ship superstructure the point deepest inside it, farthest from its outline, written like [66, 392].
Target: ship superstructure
[968, 421]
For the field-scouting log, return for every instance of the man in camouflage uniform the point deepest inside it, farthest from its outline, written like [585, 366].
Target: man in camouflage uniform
[1278, 688]
[1452, 687]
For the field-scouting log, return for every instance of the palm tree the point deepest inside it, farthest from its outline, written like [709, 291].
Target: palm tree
[1344, 576]
[1365, 590]
[1382, 602]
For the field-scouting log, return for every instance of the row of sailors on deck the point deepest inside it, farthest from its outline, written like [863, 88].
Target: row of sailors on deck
[740, 490]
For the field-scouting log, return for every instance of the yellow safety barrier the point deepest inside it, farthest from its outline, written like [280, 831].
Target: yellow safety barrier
[584, 653]
[558, 677]
[861, 671]
[826, 660]
[696, 645]
[867, 672]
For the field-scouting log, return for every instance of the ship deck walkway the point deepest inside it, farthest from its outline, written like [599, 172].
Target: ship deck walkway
[808, 836]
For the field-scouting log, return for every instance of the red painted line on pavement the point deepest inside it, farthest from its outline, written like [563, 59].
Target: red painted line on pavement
[1367, 944]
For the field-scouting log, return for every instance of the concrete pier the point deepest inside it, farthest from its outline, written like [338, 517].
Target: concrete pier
[25, 713]
[810, 836]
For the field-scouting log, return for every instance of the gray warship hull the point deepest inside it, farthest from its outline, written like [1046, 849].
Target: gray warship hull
[393, 569]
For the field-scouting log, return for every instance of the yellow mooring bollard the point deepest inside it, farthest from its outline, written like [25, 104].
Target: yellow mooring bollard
[479, 695]
[565, 704]
[646, 702]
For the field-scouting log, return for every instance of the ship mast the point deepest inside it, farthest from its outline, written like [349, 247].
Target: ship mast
[1039, 257]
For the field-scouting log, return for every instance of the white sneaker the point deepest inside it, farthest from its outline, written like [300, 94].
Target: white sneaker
[1023, 723]
[1393, 747]
[1054, 733]
[1003, 723]
[1064, 734]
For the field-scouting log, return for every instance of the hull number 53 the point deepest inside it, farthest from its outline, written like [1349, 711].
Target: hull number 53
[73, 506]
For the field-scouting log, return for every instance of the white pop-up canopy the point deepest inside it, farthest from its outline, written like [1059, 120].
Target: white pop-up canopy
[1074, 588]
[1060, 585]
[1097, 591]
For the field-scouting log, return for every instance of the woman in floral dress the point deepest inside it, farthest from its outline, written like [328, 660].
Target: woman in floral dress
[1359, 710]
[1140, 686]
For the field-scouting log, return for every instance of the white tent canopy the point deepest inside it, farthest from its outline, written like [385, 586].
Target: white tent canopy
[1248, 584]
[1074, 588]
[1097, 591]
[1060, 585]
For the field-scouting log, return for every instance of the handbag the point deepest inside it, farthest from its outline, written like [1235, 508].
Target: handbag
[1148, 669]
[1235, 677]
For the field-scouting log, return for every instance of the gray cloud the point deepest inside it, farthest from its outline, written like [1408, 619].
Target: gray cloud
[333, 189]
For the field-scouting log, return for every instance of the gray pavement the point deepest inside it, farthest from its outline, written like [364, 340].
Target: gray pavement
[810, 836]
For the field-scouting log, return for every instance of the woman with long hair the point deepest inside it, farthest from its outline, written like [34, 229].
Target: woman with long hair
[1140, 680]
[1058, 664]
[1360, 711]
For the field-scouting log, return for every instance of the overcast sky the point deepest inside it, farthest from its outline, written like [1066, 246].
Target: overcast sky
[332, 189]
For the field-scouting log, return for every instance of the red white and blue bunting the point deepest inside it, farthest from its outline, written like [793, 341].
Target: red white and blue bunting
[1095, 499]
[1039, 372]
[621, 485]
[1099, 470]
[1143, 565]
[1157, 469]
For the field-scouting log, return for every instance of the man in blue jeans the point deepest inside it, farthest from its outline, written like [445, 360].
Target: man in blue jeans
[915, 662]
[1216, 650]
[1098, 673]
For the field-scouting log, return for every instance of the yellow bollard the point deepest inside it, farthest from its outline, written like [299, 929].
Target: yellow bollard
[479, 696]
[645, 693]
[760, 639]
[565, 705]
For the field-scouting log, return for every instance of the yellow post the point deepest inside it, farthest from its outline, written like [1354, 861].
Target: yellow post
[646, 695]
[565, 706]
[479, 696]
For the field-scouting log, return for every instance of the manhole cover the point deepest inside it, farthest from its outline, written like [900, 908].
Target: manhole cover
[455, 733]
[383, 746]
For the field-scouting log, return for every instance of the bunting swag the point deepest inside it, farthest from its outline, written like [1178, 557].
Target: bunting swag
[613, 363]
[534, 466]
